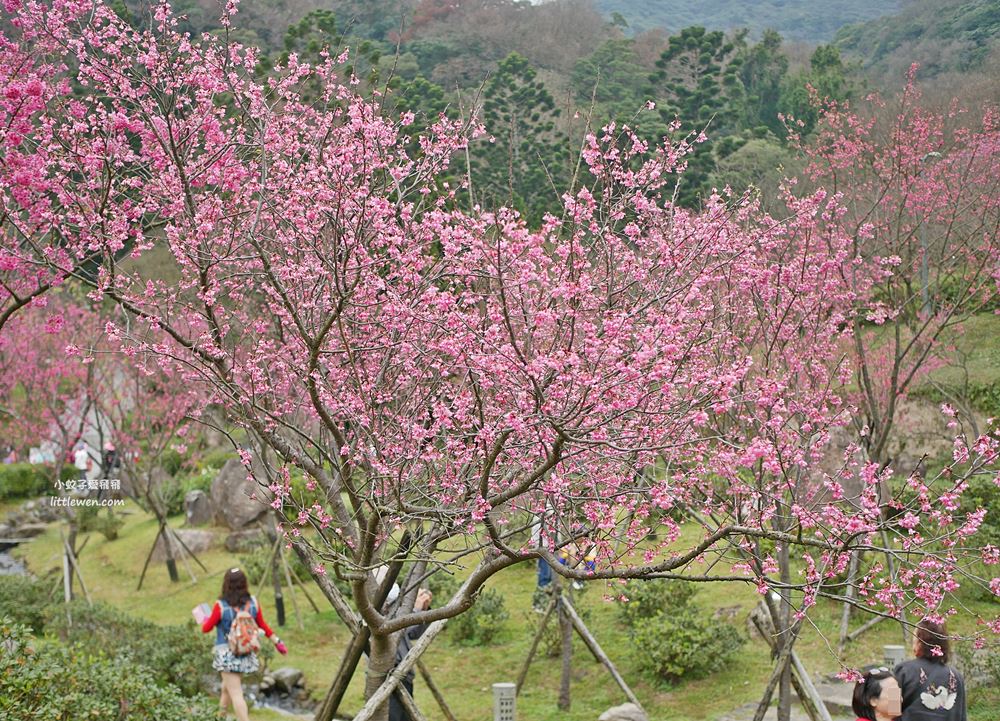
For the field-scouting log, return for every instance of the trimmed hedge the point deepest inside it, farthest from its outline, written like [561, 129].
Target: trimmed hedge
[42, 679]
[25, 480]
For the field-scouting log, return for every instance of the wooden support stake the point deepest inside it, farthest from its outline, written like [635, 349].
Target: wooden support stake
[435, 691]
[595, 648]
[301, 585]
[534, 646]
[803, 685]
[566, 632]
[188, 551]
[407, 702]
[291, 589]
[149, 557]
[72, 561]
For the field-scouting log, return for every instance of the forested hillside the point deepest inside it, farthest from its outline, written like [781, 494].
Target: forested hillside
[940, 35]
[807, 20]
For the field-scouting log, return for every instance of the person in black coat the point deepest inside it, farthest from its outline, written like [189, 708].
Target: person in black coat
[406, 639]
[932, 690]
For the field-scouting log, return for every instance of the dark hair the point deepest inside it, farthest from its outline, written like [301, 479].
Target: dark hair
[868, 689]
[234, 588]
[932, 636]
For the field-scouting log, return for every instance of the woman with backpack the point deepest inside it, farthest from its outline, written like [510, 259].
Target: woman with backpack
[236, 618]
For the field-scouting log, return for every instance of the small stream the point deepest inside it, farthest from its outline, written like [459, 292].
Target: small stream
[10, 566]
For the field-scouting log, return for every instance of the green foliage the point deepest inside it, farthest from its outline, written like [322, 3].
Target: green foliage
[797, 19]
[482, 623]
[173, 490]
[24, 480]
[47, 680]
[674, 637]
[23, 600]
[171, 461]
[107, 524]
[827, 78]
[983, 397]
[941, 35]
[762, 70]
[175, 655]
[983, 493]
[684, 643]
[526, 156]
[697, 82]
[216, 458]
[646, 599]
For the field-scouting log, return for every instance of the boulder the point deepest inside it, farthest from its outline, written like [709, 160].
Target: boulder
[30, 530]
[625, 712]
[198, 508]
[267, 683]
[197, 541]
[286, 679]
[238, 500]
[245, 540]
[136, 486]
[44, 511]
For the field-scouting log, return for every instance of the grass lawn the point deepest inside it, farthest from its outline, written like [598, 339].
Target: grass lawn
[465, 674]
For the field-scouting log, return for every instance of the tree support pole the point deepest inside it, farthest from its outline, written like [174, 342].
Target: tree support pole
[435, 691]
[595, 648]
[534, 646]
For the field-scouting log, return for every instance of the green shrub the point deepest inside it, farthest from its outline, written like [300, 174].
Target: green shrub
[482, 623]
[683, 643]
[25, 480]
[646, 599]
[25, 600]
[42, 679]
[173, 490]
[107, 524]
[216, 458]
[443, 585]
[171, 461]
[253, 564]
[673, 636]
[175, 655]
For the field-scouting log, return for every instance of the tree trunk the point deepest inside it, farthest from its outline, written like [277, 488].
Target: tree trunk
[566, 630]
[785, 614]
[381, 660]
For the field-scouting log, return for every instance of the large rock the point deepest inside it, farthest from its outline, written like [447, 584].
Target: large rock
[625, 712]
[197, 542]
[198, 508]
[286, 679]
[238, 500]
[245, 540]
[136, 486]
[30, 530]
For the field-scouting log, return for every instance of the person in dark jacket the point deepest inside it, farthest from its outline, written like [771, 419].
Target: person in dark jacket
[406, 639]
[932, 690]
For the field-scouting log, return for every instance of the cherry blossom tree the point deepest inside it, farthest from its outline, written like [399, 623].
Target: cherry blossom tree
[922, 196]
[441, 377]
[42, 383]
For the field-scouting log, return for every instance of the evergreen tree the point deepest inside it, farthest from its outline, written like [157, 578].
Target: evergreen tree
[524, 159]
[697, 81]
[762, 72]
[826, 79]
